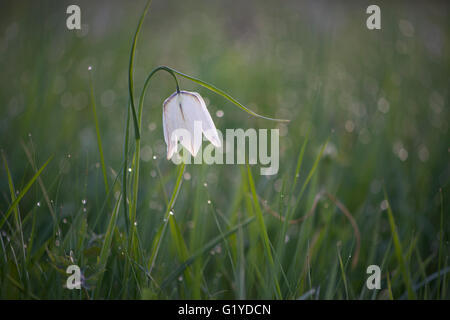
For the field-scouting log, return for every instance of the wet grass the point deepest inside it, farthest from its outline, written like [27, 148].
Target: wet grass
[364, 164]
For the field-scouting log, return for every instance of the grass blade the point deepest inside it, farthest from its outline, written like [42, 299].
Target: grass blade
[97, 130]
[263, 230]
[131, 69]
[211, 244]
[399, 253]
[23, 192]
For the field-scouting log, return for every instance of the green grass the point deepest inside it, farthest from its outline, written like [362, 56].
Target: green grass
[85, 178]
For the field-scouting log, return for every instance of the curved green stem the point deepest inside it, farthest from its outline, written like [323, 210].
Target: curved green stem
[221, 93]
[161, 232]
[138, 141]
[130, 69]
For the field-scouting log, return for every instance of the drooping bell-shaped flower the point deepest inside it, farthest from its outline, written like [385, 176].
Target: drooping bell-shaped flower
[185, 118]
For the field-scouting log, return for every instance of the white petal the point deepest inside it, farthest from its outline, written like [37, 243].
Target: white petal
[189, 106]
[201, 113]
[172, 120]
[185, 117]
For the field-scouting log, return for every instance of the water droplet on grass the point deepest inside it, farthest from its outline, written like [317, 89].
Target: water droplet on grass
[83, 201]
[38, 204]
[209, 201]
[384, 205]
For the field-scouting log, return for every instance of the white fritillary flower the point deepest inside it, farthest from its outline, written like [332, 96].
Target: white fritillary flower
[185, 118]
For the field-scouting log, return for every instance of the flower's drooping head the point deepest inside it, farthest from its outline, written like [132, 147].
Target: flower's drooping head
[185, 118]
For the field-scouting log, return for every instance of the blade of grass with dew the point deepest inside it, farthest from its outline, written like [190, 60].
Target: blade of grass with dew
[41, 184]
[310, 174]
[162, 228]
[299, 162]
[389, 287]
[180, 244]
[17, 219]
[97, 130]
[197, 236]
[125, 171]
[441, 241]
[136, 129]
[206, 248]
[106, 247]
[399, 253]
[13, 198]
[263, 231]
[423, 273]
[344, 277]
[253, 255]
[290, 210]
[23, 192]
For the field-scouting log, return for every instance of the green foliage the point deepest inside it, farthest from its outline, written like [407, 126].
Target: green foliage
[368, 112]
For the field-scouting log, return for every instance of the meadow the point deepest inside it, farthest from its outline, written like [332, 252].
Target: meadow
[363, 170]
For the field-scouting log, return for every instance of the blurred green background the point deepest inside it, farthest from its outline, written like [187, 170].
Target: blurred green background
[381, 97]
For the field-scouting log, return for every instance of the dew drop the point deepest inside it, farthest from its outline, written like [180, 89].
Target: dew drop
[384, 205]
[84, 201]
[205, 184]
[209, 201]
[171, 212]
[187, 176]
[154, 157]
[135, 223]
[38, 204]
[219, 113]
[129, 170]
[90, 68]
